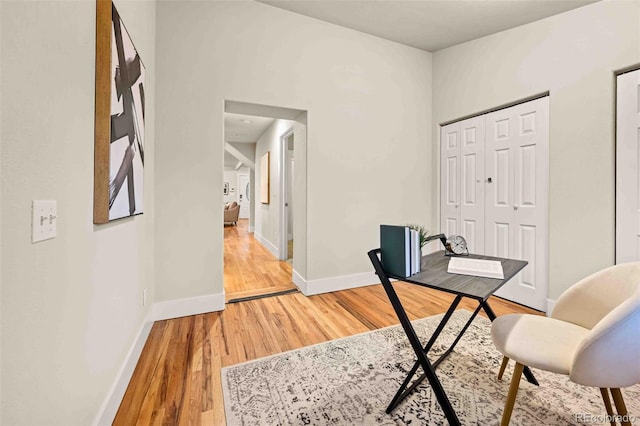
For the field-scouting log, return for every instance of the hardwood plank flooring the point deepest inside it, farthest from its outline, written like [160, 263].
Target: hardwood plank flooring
[249, 268]
[177, 379]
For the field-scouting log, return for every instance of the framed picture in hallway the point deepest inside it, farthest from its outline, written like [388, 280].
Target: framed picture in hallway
[119, 120]
[264, 178]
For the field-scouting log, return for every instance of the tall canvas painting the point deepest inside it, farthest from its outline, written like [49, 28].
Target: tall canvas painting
[265, 174]
[119, 121]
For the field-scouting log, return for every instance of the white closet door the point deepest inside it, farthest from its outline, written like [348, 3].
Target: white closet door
[472, 163]
[517, 206]
[450, 179]
[628, 168]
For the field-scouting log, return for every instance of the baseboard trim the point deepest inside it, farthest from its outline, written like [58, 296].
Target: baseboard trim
[300, 282]
[266, 244]
[327, 285]
[188, 306]
[252, 228]
[110, 406]
[550, 305]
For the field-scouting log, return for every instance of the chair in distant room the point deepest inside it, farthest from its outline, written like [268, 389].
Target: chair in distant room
[593, 336]
[231, 213]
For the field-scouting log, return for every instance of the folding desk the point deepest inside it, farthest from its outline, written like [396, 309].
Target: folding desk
[434, 275]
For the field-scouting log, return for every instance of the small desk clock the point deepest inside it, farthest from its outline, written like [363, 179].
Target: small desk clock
[455, 245]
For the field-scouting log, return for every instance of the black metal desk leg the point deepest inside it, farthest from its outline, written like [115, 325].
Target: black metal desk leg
[401, 394]
[438, 390]
[527, 371]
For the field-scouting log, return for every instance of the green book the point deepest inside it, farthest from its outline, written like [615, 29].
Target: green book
[395, 250]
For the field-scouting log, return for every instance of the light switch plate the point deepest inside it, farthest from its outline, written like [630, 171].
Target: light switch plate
[44, 220]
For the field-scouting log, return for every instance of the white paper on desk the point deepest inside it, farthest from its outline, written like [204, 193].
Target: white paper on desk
[476, 267]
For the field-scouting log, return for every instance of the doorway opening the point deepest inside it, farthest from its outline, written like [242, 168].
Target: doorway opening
[260, 142]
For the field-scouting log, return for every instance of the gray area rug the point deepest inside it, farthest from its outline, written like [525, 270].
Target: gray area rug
[351, 381]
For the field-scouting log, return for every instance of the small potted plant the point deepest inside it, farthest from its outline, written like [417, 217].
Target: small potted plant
[423, 234]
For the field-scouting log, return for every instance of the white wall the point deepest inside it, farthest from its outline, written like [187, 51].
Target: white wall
[72, 306]
[268, 215]
[573, 56]
[369, 123]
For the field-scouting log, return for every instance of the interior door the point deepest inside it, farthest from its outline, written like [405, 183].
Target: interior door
[517, 196]
[628, 168]
[450, 179]
[243, 195]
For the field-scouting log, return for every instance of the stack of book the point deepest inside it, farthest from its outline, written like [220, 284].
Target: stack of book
[400, 250]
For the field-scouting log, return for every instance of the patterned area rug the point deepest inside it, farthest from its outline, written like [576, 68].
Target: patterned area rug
[350, 381]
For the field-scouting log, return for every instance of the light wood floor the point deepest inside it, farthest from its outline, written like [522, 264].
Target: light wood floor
[249, 268]
[177, 379]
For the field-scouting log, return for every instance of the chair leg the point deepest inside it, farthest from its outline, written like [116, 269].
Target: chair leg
[513, 391]
[505, 361]
[620, 407]
[607, 404]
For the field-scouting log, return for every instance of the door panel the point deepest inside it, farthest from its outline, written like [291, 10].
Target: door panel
[452, 183]
[526, 176]
[501, 242]
[628, 168]
[449, 184]
[451, 227]
[470, 232]
[472, 151]
[499, 183]
[469, 180]
[527, 250]
[501, 177]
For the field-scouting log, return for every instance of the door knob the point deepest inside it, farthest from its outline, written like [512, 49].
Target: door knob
[489, 180]
[515, 207]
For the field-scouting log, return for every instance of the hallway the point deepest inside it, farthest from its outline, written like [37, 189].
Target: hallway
[249, 268]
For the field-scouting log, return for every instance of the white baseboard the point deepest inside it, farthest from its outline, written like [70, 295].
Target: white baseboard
[252, 228]
[189, 306]
[267, 244]
[110, 406]
[327, 285]
[300, 282]
[550, 305]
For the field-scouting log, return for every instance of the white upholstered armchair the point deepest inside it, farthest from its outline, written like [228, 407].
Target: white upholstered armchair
[593, 336]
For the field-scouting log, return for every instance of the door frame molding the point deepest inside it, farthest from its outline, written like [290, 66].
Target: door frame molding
[283, 219]
[617, 226]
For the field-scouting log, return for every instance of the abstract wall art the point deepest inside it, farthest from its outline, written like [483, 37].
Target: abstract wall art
[265, 174]
[119, 120]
